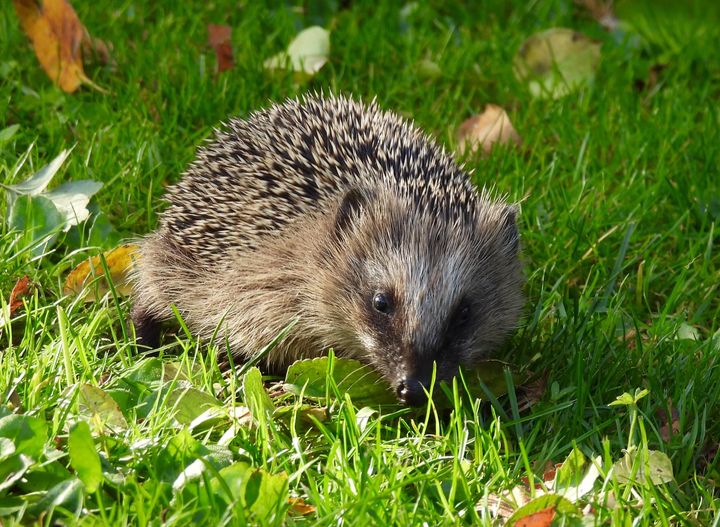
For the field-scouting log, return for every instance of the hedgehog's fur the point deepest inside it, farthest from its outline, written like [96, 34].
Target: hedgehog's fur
[311, 208]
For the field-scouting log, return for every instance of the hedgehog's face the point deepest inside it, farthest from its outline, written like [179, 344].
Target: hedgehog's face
[417, 293]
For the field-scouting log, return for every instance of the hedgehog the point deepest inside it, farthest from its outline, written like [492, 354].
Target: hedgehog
[348, 219]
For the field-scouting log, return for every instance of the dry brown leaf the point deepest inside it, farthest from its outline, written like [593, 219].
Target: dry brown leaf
[485, 130]
[219, 37]
[602, 12]
[503, 505]
[670, 424]
[530, 393]
[119, 262]
[543, 518]
[242, 415]
[99, 49]
[299, 507]
[57, 35]
[22, 288]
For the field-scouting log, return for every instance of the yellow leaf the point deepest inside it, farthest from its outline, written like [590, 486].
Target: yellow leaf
[119, 262]
[556, 61]
[57, 36]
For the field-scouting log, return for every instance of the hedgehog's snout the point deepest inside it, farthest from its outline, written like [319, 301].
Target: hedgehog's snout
[412, 392]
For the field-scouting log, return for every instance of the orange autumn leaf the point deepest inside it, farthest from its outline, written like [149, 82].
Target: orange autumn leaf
[541, 518]
[119, 263]
[219, 39]
[21, 289]
[57, 36]
[299, 507]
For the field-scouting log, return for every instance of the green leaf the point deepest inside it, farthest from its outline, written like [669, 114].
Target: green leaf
[71, 200]
[41, 179]
[103, 233]
[572, 469]
[265, 495]
[146, 371]
[362, 418]
[573, 480]
[252, 488]
[10, 505]
[83, 456]
[623, 400]
[67, 494]
[188, 403]
[687, 332]
[28, 433]
[97, 231]
[12, 470]
[256, 398]
[553, 502]
[7, 133]
[7, 448]
[38, 219]
[657, 467]
[206, 456]
[125, 398]
[180, 451]
[365, 386]
[556, 61]
[98, 406]
[307, 53]
[304, 415]
[492, 373]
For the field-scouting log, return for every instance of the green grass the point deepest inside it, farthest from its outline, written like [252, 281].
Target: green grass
[620, 194]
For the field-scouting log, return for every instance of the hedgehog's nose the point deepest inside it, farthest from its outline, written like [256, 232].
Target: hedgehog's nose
[411, 392]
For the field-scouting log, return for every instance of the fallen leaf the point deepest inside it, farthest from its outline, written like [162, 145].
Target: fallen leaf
[119, 262]
[543, 518]
[550, 471]
[602, 12]
[361, 382]
[57, 34]
[483, 131]
[101, 409]
[39, 221]
[505, 504]
[687, 332]
[576, 476]
[429, 69]
[219, 39]
[307, 53]
[541, 511]
[299, 507]
[38, 182]
[556, 61]
[530, 393]
[71, 200]
[657, 467]
[22, 288]
[670, 423]
[97, 48]
[490, 374]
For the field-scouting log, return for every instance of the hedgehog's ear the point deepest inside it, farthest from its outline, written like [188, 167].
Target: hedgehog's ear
[350, 209]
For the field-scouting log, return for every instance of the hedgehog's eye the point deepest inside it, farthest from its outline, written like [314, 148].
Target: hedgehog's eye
[462, 313]
[381, 303]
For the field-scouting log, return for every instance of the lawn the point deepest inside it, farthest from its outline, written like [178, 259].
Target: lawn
[619, 190]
